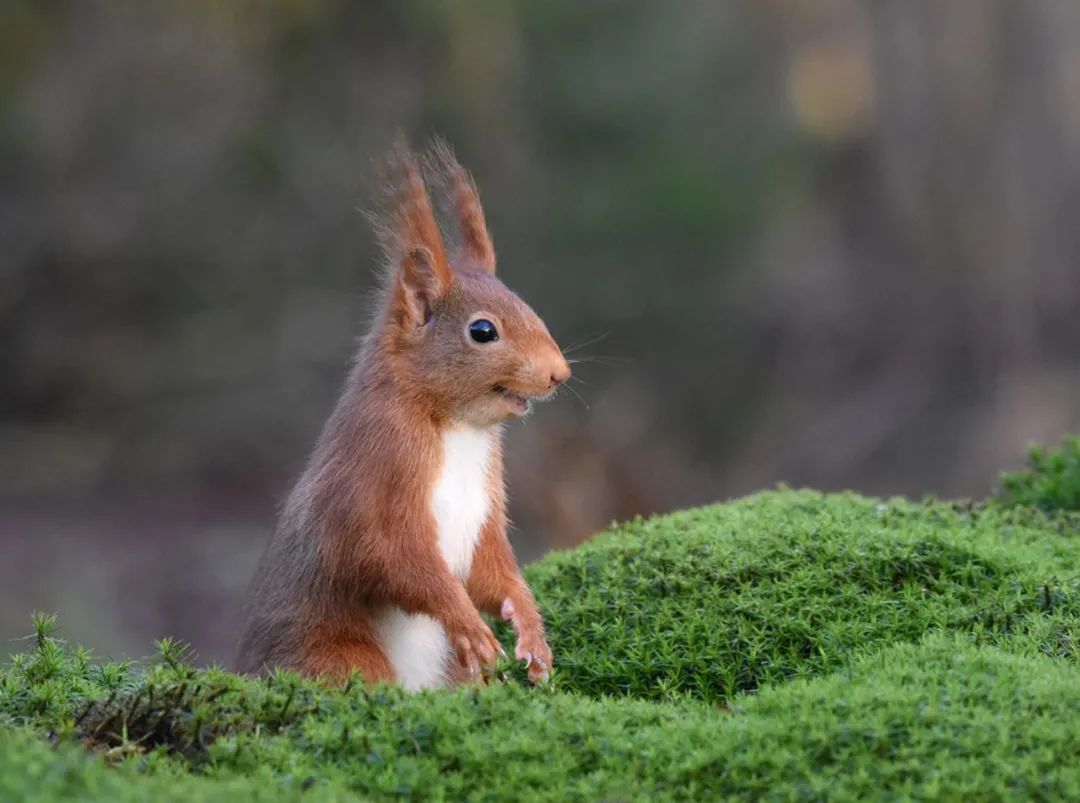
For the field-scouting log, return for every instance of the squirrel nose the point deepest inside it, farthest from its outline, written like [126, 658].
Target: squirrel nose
[560, 372]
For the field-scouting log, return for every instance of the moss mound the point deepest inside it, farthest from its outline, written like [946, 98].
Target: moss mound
[1050, 483]
[724, 599]
[791, 645]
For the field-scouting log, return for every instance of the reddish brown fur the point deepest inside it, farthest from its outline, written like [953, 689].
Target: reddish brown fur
[460, 191]
[357, 534]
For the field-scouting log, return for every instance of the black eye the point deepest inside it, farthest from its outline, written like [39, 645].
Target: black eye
[483, 331]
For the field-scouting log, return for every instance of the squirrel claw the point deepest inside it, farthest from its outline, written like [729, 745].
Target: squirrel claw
[537, 659]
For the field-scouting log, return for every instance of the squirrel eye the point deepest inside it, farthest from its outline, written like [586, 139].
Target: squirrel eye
[483, 331]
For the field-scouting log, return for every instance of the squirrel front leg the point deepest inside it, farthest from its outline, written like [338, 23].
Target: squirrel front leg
[496, 587]
[407, 570]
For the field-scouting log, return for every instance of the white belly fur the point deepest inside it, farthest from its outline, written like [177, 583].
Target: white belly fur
[416, 644]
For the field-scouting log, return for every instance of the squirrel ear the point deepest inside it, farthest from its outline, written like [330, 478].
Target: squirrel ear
[471, 244]
[410, 238]
[419, 285]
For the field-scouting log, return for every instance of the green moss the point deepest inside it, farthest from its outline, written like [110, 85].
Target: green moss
[1051, 482]
[31, 770]
[941, 718]
[723, 599]
[791, 645]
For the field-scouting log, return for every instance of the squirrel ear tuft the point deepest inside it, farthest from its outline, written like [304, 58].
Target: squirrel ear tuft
[471, 244]
[409, 234]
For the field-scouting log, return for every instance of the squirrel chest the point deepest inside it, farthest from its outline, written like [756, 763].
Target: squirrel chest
[460, 500]
[461, 496]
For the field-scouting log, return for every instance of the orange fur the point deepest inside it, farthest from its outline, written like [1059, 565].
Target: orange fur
[357, 535]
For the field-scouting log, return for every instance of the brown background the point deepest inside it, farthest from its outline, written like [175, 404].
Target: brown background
[823, 242]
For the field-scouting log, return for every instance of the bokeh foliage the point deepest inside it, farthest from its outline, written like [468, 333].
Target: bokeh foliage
[831, 244]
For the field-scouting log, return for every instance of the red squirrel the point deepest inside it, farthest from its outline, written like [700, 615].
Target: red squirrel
[394, 538]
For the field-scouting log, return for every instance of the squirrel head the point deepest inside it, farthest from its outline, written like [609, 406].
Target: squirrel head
[457, 339]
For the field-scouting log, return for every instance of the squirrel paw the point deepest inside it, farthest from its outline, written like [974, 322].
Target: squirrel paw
[532, 646]
[534, 651]
[475, 645]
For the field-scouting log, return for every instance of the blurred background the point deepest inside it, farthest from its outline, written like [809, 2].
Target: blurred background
[823, 242]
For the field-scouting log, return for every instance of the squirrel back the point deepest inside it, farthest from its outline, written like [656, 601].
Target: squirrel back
[394, 536]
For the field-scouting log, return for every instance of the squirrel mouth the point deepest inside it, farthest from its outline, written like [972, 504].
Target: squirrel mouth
[519, 402]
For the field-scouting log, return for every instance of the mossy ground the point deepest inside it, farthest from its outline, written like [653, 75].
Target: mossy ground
[1051, 482]
[791, 645]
